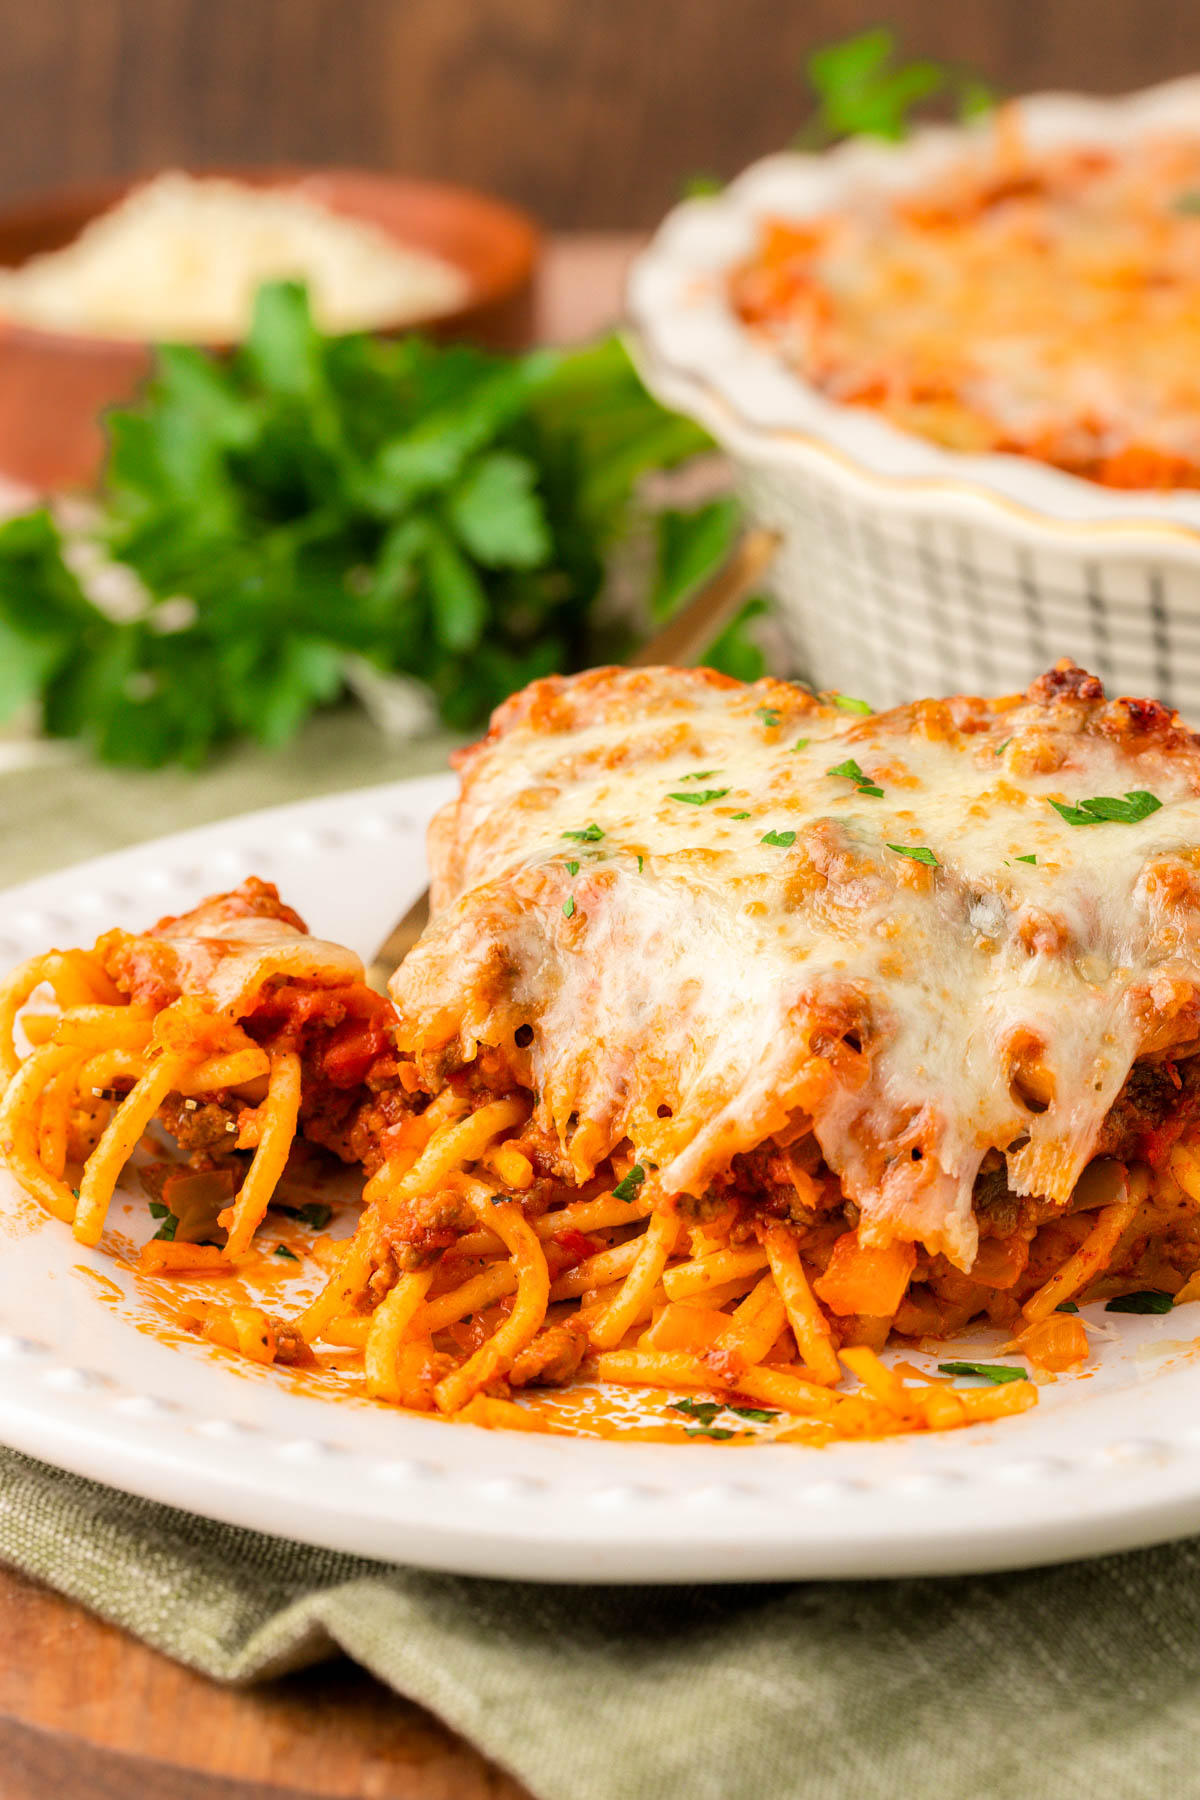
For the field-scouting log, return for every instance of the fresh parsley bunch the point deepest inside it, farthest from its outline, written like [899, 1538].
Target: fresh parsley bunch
[439, 512]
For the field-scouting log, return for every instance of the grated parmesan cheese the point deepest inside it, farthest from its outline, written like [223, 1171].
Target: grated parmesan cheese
[183, 257]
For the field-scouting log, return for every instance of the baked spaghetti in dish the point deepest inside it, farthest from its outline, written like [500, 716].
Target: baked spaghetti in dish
[1041, 302]
[752, 1033]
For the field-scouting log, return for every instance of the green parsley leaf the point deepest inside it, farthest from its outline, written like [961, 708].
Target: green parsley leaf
[721, 1433]
[703, 1410]
[782, 840]
[994, 1372]
[918, 852]
[591, 834]
[701, 798]
[741, 815]
[801, 744]
[170, 1224]
[572, 868]
[282, 1250]
[759, 1414]
[315, 1214]
[569, 907]
[627, 1187]
[499, 515]
[1105, 809]
[862, 89]
[850, 771]
[1067, 1306]
[1148, 1300]
[700, 187]
[640, 861]
[699, 775]
[847, 703]
[768, 715]
[1001, 748]
[1027, 859]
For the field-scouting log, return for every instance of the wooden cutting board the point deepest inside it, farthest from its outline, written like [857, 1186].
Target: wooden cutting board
[87, 1713]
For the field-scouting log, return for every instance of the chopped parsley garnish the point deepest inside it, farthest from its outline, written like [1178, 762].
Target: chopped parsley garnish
[282, 1250]
[739, 815]
[1105, 809]
[768, 715]
[782, 840]
[1147, 1300]
[1068, 1306]
[700, 775]
[170, 1224]
[848, 703]
[1028, 859]
[569, 907]
[572, 868]
[850, 771]
[703, 1410]
[994, 1372]
[1001, 748]
[627, 1187]
[591, 834]
[918, 852]
[706, 1411]
[701, 797]
[801, 744]
[641, 860]
[316, 1214]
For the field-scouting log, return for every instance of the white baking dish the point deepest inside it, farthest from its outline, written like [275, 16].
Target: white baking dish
[906, 568]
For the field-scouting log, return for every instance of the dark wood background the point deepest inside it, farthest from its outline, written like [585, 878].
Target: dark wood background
[590, 112]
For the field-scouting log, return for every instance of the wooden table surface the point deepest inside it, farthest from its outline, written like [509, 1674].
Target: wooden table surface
[88, 1713]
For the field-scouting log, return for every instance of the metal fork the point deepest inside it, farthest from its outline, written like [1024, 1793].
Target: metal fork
[680, 642]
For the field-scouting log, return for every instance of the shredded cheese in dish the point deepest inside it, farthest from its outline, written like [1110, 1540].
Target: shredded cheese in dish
[1041, 303]
[752, 1033]
[182, 258]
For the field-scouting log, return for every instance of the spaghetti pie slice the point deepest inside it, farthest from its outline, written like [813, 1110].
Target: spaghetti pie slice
[890, 1018]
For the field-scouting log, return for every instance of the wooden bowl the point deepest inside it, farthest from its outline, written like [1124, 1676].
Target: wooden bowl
[54, 386]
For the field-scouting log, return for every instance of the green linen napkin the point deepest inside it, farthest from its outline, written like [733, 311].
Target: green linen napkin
[56, 808]
[1081, 1681]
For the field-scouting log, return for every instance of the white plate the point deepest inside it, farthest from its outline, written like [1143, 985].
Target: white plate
[1104, 1462]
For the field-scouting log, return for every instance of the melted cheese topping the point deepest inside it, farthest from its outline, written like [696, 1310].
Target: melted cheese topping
[225, 951]
[230, 960]
[697, 987]
[1046, 303]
